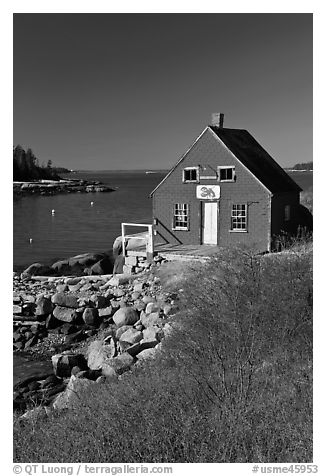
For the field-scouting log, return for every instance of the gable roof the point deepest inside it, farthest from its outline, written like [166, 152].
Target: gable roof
[252, 155]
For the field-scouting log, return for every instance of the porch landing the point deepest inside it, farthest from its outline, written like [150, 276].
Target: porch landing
[179, 252]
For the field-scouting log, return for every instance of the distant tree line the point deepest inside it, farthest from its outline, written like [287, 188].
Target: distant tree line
[304, 166]
[26, 166]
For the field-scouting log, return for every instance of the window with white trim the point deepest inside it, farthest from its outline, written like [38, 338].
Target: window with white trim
[181, 216]
[287, 212]
[190, 174]
[239, 217]
[226, 173]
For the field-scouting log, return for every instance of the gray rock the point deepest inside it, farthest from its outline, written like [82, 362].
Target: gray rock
[17, 309]
[37, 269]
[99, 353]
[61, 288]
[99, 301]
[90, 316]
[152, 307]
[118, 279]
[134, 349]
[104, 266]
[64, 363]
[44, 306]
[121, 363]
[150, 320]
[121, 330]
[138, 287]
[65, 314]
[75, 287]
[146, 354]
[139, 305]
[132, 336]
[105, 312]
[147, 299]
[125, 316]
[65, 300]
[70, 398]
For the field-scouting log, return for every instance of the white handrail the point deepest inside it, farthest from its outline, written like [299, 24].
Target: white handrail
[147, 237]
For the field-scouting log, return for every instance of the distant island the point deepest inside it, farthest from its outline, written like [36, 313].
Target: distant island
[31, 178]
[305, 166]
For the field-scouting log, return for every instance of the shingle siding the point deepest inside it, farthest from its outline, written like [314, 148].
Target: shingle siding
[209, 152]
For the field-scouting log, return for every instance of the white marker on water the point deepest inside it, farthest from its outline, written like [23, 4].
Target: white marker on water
[31, 240]
[92, 203]
[53, 212]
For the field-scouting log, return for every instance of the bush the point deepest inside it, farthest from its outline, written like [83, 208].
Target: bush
[231, 384]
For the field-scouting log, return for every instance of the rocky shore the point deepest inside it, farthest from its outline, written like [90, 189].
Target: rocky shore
[53, 187]
[93, 329]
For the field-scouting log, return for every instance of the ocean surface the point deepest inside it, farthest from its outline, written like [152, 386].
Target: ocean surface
[77, 227]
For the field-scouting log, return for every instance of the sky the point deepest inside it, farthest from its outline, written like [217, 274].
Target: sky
[133, 91]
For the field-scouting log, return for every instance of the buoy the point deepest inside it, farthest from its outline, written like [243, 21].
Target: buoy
[53, 212]
[92, 203]
[31, 240]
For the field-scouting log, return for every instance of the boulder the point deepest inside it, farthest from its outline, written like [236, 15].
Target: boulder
[118, 264]
[51, 322]
[37, 269]
[105, 312]
[90, 316]
[150, 320]
[70, 398]
[99, 353]
[61, 267]
[44, 306]
[132, 336]
[65, 300]
[86, 259]
[99, 301]
[119, 364]
[64, 363]
[75, 287]
[131, 244]
[125, 316]
[65, 314]
[104, 266]
[61, 288]
[146, 354]
[121, 330]
[152, 307]
[118, 279]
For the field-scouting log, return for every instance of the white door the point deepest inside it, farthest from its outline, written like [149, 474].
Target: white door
[210, 223]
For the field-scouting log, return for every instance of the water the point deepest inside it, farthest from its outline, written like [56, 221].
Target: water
[77, 227]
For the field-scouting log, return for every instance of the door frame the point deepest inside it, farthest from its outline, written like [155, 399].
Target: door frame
[202, 220]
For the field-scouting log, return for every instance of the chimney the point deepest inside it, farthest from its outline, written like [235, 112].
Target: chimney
[217, 119]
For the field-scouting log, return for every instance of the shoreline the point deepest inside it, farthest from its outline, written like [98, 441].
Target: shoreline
[53, 187]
